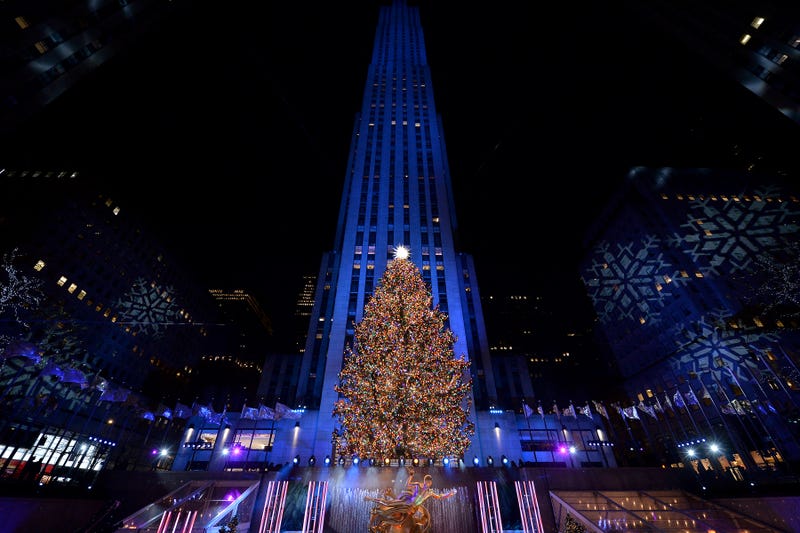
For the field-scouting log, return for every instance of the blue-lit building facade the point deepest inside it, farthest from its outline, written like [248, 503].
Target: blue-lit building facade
[102, 332]
[693, 276]
[397, 191]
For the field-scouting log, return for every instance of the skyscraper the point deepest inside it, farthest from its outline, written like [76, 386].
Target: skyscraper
[397, 191]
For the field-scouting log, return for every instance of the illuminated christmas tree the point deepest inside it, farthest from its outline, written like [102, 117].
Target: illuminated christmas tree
[403, 393]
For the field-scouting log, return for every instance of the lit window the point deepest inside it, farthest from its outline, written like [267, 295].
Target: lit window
[21, 22]
[116, 211]
[757, 22]
[61, 281]
[745, 39]
[81, 295]
[39, 266]
[72, 288]
[781, 59]
[41, 47]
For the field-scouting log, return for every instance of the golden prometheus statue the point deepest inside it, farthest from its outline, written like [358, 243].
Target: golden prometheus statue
[405, 513]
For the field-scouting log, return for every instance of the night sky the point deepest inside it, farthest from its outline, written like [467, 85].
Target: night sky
[230, 131]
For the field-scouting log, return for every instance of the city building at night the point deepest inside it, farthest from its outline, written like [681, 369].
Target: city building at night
[209, 425]
[692, 273]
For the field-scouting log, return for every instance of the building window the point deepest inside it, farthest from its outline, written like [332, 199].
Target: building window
[757, 22]
[745, 39]
[21, 22]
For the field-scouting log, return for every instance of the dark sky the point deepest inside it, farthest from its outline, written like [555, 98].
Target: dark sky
[231, 130]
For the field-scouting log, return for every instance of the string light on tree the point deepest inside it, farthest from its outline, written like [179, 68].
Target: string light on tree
[403, 393]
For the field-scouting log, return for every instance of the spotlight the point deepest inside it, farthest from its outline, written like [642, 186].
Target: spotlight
[402, 461]
[297, 424]
[496, 425]
[504, 459]
[327, 460]
[371, 461]
[446, 461]
[430, 461]
[341, 461]
[490, 460]
[312, 461]
[386, 461]
[296, 459]
[355, 461]
[415, 461]
[475, 460]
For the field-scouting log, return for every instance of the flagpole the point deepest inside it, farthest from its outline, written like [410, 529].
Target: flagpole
[547, 433]
[766, 398]
[732, 438]
[777, 379]
[580, 432]
[753, 443]
[666, 420]
[699, 405]
[755, 412]
[528, 420]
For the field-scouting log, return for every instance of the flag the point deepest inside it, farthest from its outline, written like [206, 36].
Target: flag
[99, 383]
[678, 399]
[540, 409]
[73, 375]
[206, 411]
[657, 406]
[164, 412]
[181, 411]
[600, 408]
[24, 349]
[527, 410]
[668, 402]
[555, 409]
[630, 412]
[218, 418]
[571, 411]
[266, 413]
[649, 409]
[691, 399]
[585, 410]
[114, 394]
[52, 369]
[148, 415]
[249, 413]
[284, 411]
[706, 397]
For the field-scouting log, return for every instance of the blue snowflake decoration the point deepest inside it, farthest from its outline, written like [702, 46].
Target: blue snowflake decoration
[723, 237]
[630, 281]
[147, 308]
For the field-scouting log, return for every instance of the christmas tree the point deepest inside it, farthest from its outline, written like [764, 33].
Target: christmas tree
[403, 393]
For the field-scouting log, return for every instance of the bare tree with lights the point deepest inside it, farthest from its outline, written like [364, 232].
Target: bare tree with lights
[403, 393]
